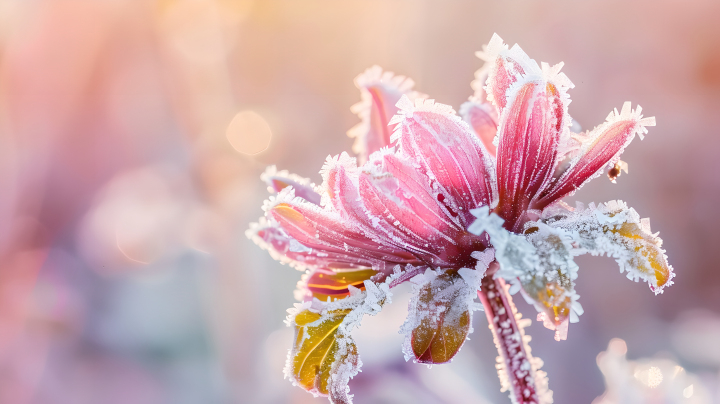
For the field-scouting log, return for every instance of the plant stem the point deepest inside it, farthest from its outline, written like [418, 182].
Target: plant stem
[515, 365]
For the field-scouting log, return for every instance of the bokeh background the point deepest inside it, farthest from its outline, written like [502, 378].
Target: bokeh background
[133, 134]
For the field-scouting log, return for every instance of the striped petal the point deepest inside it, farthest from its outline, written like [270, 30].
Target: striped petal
[326, 232]
[398, 198]
[529, 137]
[601, 147]
[450, 154]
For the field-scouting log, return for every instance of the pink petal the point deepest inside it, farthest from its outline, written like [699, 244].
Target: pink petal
[450, 153]
[507, 66]
[603, 146]
[399, 200]
[483, 119]
[279, 180]
[328, 233]
[529, 138]
[380, 92]
[366, 206]
[271, 237]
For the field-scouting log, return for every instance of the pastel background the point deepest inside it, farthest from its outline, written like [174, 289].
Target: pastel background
[126, 187]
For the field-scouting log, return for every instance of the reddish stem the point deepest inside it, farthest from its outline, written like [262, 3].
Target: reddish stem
[508, 336]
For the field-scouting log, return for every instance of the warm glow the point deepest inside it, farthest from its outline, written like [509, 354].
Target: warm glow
[249, 133]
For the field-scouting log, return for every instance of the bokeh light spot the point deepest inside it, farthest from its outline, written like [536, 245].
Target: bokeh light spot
[249, 133]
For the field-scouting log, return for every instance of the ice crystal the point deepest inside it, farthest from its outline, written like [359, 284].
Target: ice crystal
[461, 206]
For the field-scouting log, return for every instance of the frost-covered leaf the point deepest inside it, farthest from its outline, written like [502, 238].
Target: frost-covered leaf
[316, 347]
[551, 288]
[439, 318]
[615, 230]
[324, 356]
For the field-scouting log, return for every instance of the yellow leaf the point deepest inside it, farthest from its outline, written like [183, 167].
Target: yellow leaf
[444, 319]
[316, 347]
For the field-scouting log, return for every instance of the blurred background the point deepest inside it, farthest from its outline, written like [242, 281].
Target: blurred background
[133, 134]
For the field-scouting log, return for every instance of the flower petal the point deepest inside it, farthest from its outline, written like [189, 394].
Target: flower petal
[380, 92]
[357, 206]
[326, 232]
[616, 230]
[601, 147]
[483, 119]
[439, 318]
[279, 180]
[271, 237]
[449, 152]
[529, 136]
[506, 68]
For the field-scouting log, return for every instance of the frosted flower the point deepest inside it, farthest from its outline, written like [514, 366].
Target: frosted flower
[460, 206]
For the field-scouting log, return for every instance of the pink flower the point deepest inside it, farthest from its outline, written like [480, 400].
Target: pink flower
[461, 206]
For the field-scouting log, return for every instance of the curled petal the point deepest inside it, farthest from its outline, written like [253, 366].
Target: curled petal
[601, 147]
[327, 233]
[483, 119]
[616, 230]
[439, 318]
[449, 152]
[279, 180]
[380, 91]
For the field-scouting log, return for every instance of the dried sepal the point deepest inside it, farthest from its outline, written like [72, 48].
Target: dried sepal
[439, 318]
[615, 230]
